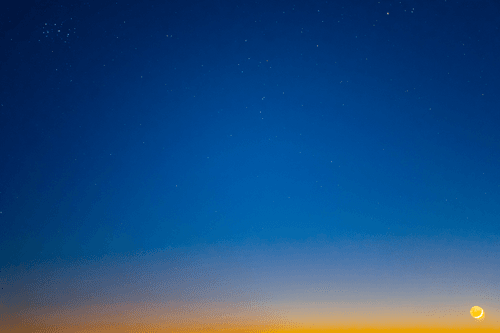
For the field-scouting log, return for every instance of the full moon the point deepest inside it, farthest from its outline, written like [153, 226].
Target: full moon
[477, 312]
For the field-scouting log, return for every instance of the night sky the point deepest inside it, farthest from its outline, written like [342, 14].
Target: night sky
[249, 166]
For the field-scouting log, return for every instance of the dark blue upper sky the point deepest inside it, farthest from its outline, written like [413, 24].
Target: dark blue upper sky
[142, 125]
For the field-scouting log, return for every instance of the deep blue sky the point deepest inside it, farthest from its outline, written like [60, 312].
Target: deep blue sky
[187, 122]
[134, 126]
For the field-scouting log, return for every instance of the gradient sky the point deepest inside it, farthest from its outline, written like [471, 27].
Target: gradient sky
[249, 166]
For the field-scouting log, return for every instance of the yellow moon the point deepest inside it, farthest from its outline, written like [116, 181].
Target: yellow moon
[476, 312]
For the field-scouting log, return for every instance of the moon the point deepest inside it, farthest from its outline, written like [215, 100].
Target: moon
[477, 312]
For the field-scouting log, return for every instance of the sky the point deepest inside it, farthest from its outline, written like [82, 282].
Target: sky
[249, 166]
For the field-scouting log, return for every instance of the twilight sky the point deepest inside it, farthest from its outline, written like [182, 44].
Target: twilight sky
[249, 166]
